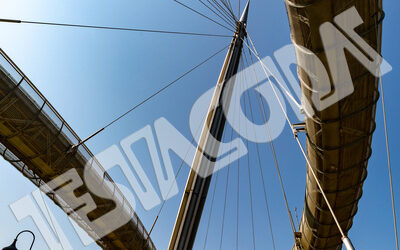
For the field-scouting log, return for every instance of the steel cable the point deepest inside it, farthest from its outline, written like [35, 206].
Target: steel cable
[110, 28]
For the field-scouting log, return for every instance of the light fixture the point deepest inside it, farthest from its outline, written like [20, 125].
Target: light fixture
[13, 245]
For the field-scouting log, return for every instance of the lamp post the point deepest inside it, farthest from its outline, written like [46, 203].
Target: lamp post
[13, 245]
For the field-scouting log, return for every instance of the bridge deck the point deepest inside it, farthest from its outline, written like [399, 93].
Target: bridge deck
[339, 137]
[35, 139]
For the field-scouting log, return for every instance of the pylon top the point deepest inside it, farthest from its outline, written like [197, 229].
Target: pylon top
[245, 13]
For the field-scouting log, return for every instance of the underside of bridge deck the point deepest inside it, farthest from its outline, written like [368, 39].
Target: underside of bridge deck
[338, 137]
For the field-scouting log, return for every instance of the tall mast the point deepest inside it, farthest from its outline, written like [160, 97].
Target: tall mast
[195, 194]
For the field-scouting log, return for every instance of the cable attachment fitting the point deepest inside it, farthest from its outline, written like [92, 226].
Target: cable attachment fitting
[347, 243]
[72, 149]
[297, 237]
[298, 127]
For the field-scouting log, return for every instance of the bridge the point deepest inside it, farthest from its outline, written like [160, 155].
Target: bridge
[339, 137]
[37, 141]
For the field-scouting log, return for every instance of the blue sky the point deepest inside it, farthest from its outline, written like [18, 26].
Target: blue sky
[91, 76]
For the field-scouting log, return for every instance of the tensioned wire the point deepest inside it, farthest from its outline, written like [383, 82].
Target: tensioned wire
[258, 152]
[388, 150]
[222, 13]
[274, 152]
[227, 176]
[150, 97]
[268, 72]
[222, 8]
[229, 9]
[213, 196]
[203, 15]
[249, 173]
[227, 21]
[244, 80]
[301, 147]
[389, 165]
[211, 210]
[238, 177]
[229, 18]
[109, 28]
[257, 148]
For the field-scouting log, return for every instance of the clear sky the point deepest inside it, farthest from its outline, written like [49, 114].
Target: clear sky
[91, 76]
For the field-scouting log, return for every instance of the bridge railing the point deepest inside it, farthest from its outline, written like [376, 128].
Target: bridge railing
[23, 83]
